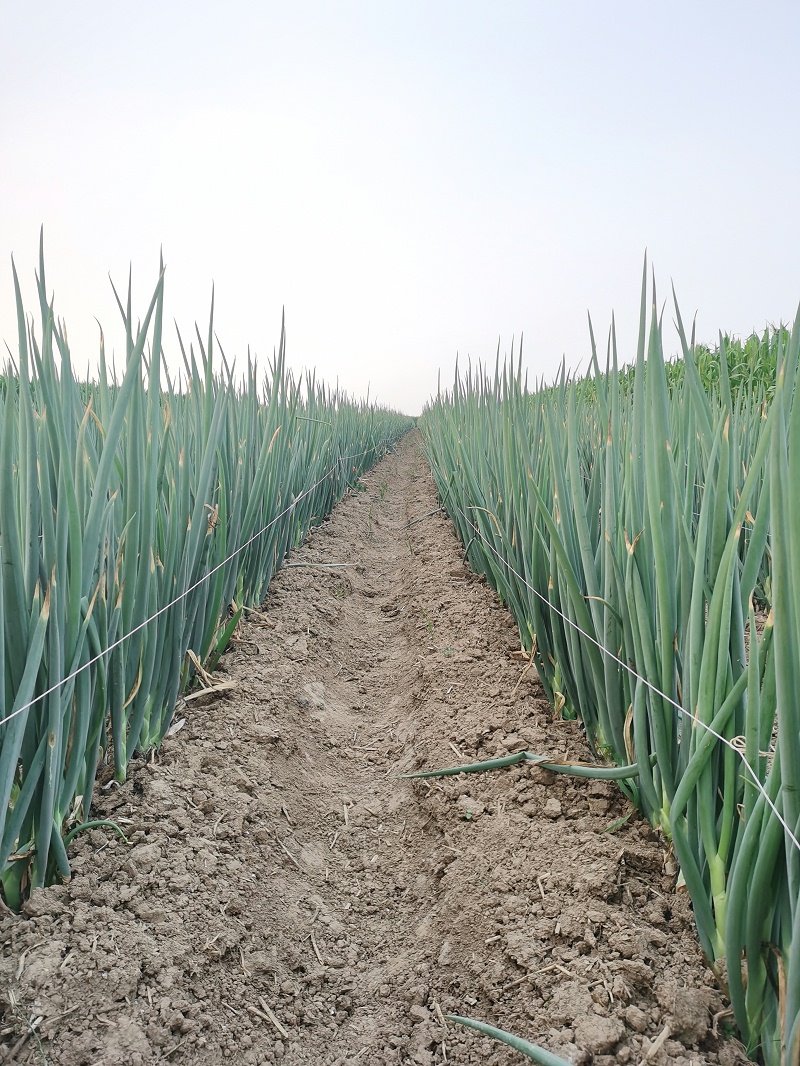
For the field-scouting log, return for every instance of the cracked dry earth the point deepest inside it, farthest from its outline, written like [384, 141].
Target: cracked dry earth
[286, 897]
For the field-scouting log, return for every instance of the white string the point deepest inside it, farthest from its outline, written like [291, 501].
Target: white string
[186, 592]
[633, 673]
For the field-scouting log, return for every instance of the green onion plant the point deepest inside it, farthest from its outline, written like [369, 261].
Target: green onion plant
[137, 518]
[646, 535]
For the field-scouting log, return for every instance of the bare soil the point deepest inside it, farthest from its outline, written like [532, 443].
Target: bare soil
[287, 897]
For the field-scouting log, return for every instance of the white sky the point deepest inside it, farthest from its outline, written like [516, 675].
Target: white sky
[411, 180]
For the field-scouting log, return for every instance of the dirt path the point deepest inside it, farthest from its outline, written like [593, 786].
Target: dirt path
[287, 898]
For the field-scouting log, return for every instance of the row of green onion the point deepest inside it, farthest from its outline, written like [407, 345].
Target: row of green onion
[138, 517]
[647, 539]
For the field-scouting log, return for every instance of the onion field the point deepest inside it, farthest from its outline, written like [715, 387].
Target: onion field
[642, 526]
[139, 517]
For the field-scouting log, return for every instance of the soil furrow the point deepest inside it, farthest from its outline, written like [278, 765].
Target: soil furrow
[287, 897]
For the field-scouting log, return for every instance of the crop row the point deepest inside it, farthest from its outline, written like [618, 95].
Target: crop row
[137, 520]
[647, 538]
